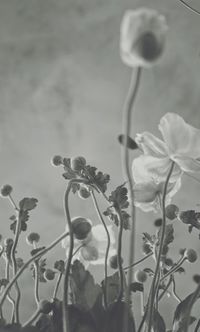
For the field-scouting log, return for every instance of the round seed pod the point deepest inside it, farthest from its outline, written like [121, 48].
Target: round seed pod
[77, 163]
[191, 255]
[140, 276]
[57, 160]
[6, 190]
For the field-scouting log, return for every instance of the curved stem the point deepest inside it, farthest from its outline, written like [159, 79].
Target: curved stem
[10, 299]
[177, 298]
[131, 96]
[33, 317]
[14, 263]
[33, 258]
[57, 285]
[36, 288]
[174, 268]
[156, 275]
[138, 262]
[190, 7]
[108, 244]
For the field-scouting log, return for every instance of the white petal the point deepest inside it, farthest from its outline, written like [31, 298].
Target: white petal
[188, 164]
[152, 145]
[181, 138]
[99, 233]
[145, 192]
[146, 168]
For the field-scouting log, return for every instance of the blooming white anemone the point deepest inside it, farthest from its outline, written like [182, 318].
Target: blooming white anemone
[181, 144]
[142, 37]
[148, 194]
[93, 246]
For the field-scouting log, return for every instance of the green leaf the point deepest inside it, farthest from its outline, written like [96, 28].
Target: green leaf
[131, 144]
[27, 204]
[180, 314]
[84, 290]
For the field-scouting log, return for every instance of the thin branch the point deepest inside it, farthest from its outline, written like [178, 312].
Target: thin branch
[190, 7]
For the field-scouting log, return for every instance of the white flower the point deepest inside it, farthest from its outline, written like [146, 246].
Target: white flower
[147, 194]
[93, 247]
[142, 37]
[181, 144]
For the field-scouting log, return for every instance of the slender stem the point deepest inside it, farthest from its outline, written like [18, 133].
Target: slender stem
[36, 288]
[174, 268]
[138, 262]
[14, 263]
[195, 296]
[13, 202]
[131, 96]
[32, 318]
[177, 298]
[166, 288]
[156, 275]
[119, 255]
[57, 285]
[190, 7]
[197, 326]
[33, 258]
[71, 247]
[108, 244]
[10, 299]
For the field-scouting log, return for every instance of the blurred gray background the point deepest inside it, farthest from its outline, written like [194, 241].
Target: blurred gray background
[62, 87]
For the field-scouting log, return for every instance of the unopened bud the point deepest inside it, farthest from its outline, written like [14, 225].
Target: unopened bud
[191, 255]
[171, 211]
[77, 163]
[81, 227]
[140, 276]
[6, 190]
[57, 160]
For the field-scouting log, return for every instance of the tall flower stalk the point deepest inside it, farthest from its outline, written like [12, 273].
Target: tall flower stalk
[156, 278]
[129, 102]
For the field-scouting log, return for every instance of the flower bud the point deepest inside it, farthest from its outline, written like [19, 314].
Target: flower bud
[45, 307]
[191, 255]
[196, 278]
[142, 37]
[6, 190]
[77, 163]
[81, 228]
[83, 192]
[49, 274]
[19, 262]
[158, 222]
[171, 211]
[33, 238]
[140, 276]
[113, 262]
[57, 160]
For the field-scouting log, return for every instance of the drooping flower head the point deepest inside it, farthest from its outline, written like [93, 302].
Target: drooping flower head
[180, 144]
[93, 245]
[142, 37]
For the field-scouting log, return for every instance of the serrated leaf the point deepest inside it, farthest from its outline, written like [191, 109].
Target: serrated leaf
[131, 144]
[27, 204]
[136, 287]
[98, 178]
[119, 197]
[83, 287]
[180, 314]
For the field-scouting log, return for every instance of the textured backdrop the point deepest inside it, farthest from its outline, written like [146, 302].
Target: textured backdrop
[62, 86]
